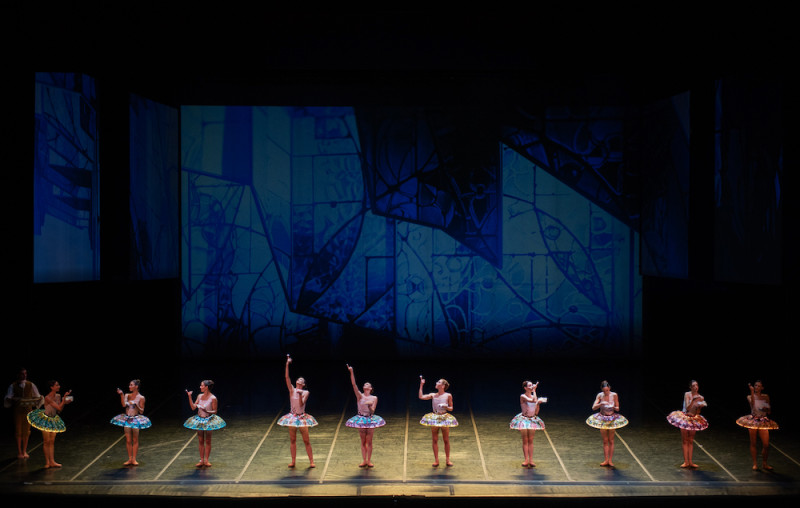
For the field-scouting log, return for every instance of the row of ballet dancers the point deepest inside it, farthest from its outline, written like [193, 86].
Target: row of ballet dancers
[606, 418]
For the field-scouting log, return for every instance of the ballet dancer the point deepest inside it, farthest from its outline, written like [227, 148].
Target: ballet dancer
[528, 421]
[205, 421]
[607, 419]
[689, 421]
[48, 421]
[439, 418]
[297, 418]
[132, 420]
[366, 421]
[758, 423]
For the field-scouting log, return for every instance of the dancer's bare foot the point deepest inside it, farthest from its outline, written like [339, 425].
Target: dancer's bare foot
[525, 464]
[128, 462]
[200, 464]
[291, 464]
[449, 464]
[55, 464]
[766, 467]
[134, 463]
[312, 465]
[435, 464]
[531, 465]
[370, 464]
[605, 463]
[363, 464]
[207, 464]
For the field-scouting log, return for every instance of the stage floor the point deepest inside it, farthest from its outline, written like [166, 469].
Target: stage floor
[251, 454]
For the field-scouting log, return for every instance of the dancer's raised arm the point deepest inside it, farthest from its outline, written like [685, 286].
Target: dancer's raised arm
[423, 396]
[353, 382]
[192, 405]
[288, 379]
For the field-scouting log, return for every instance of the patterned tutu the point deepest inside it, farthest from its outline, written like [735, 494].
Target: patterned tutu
[686, 421]
[612, 421]
[365, 422]
[293, 420]
[754, 422]
[39, 420]
[212, 422]
[439, 420]
[521, 422]
[132, 422]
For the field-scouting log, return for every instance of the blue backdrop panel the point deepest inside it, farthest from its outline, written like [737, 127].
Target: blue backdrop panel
[66, 232]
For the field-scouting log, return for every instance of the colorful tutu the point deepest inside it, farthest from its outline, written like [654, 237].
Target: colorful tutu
[39, 420]
[754, 422]
[686, 421]
[365, 422]
[439, 420]
[212, 422]
[293, 420]
[521, 422]
[612, 421]
[132, 422]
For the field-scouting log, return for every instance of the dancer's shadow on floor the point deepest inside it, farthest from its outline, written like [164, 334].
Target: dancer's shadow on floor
[121, 473]
[300, 473]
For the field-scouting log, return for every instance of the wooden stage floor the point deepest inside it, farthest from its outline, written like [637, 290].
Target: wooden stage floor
[251, 454]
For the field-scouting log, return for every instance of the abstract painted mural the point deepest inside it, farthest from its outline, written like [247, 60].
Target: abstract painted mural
[300, 223]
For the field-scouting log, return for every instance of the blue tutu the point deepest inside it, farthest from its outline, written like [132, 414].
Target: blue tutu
[521, 422]
[212, 422]
[365, 422]
[132, 422]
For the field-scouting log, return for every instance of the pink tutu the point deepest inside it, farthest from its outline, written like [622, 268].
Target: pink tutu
[755, 422]
[294, 420]
[686, 421]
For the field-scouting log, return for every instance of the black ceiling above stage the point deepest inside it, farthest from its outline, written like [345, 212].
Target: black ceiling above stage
[543, 55]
